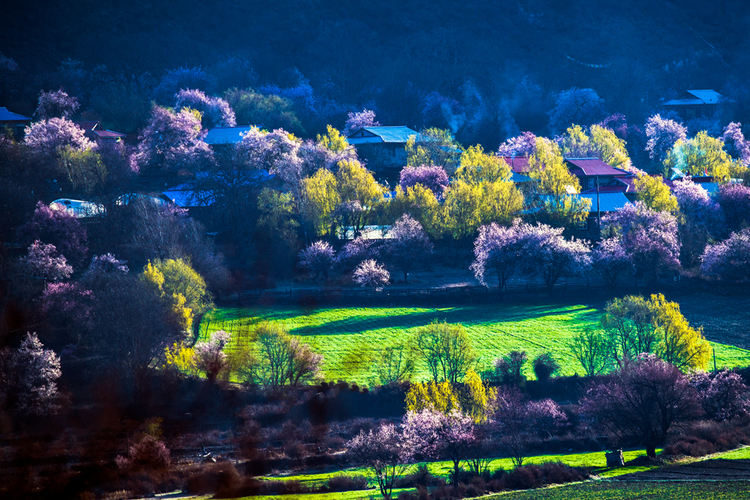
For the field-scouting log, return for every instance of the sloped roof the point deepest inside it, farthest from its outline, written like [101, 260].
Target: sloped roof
[708, 96]
[10, 116]
[697, 97]
[88, 125]
[609, 202]
[594, 166]
[226, 135]
[617, 188]
[518, 164]
[387, 134]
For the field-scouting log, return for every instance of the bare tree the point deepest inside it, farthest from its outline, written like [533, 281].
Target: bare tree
[592, 350]
[283, 358]
[395, 364]
[446, 349]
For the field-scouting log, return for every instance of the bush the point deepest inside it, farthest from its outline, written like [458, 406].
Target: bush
[421, 478]
[708, 437]
[545, 366]
[345, 483]
[221, 479]
[150, 454]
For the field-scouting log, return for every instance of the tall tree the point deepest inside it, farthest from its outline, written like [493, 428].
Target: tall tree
[407, 244]
[650, 237]
[446, 349]
[555, 200]
[642, 400]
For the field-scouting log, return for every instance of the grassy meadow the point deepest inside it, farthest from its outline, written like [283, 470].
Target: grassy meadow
[351, 337]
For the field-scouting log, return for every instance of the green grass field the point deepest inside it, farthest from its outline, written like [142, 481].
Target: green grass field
[350, 338]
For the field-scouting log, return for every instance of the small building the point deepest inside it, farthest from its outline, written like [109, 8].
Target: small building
[94, 131]
[17, 123]
[383, 147]
[593, 171]
[226, 135]
[695, 104]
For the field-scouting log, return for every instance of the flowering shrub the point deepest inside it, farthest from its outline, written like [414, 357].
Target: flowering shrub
[318, 257]
[370, 274]
[210, 357]
[44, 261]
[432, 177]
[215, 111]
[56, 105]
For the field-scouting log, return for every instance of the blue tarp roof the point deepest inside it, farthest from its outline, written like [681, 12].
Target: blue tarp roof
[226, 135]
[610, 202]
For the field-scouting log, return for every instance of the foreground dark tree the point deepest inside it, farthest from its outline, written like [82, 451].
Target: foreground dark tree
[642, 401]
[517, 421]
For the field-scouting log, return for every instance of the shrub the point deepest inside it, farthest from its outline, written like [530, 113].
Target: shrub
[545, 366]
[345, 483]
[148, 454]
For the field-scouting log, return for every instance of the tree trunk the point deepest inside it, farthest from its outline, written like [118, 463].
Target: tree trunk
[651, 450]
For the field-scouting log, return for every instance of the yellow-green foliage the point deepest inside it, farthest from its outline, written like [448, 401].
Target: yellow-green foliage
[462, 209]
[656, 325]
[502, 202]
[180, 358]
[439, 397]
[320, 198]
[355, 183]
[419, 202]
[556, 185]
[333, 140]
[476, 397]
[433, 146]
[600, 141]
[681, 344]
[186, 290]
[180, 278]
[477, 167]
[701, 155]
[655, 194]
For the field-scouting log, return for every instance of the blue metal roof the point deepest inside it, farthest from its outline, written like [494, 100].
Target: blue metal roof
[10, 116]
[365, 135]
[226, 135]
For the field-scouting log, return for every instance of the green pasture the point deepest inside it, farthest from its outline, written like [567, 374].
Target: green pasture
[350, 338]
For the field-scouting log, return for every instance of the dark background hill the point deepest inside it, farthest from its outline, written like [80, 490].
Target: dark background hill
[392, 53]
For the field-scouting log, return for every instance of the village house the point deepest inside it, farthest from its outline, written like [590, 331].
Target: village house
[94, 131]
[15, 122]
[383, 147]
[695, 104]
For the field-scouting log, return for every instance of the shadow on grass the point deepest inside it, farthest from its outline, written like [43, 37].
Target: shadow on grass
[467, 316]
